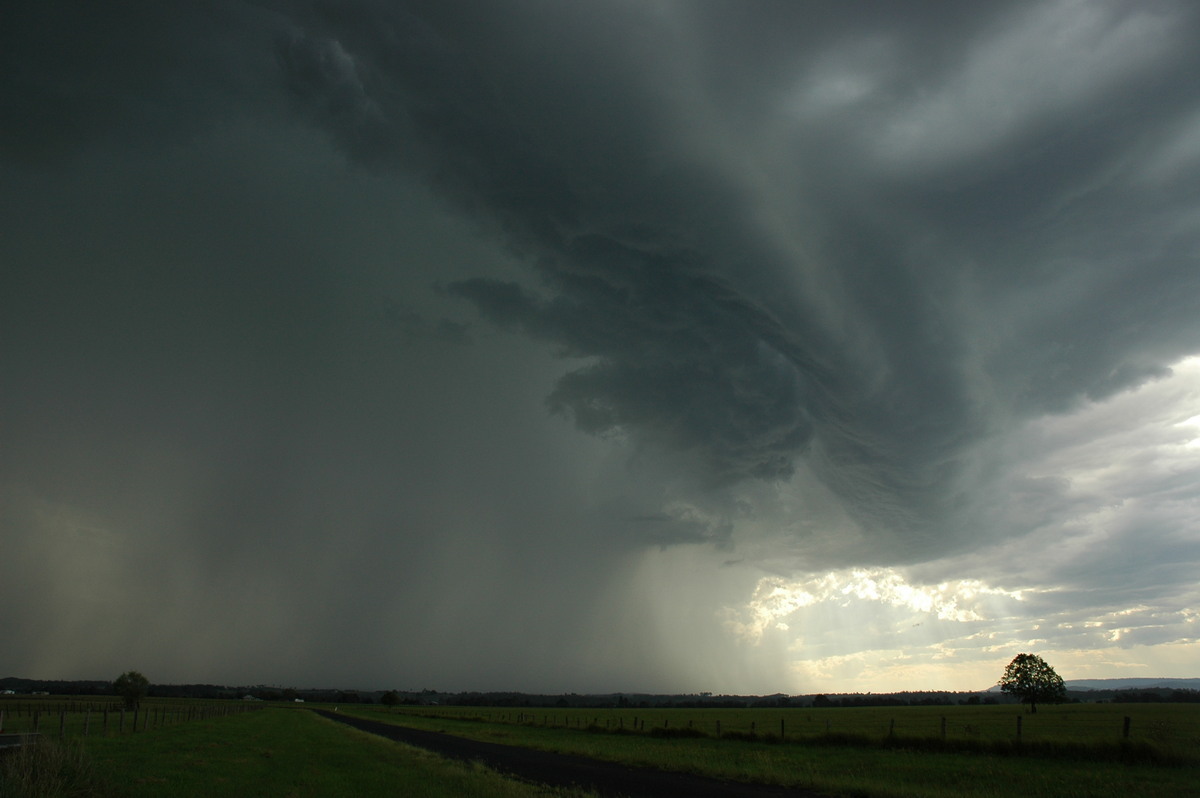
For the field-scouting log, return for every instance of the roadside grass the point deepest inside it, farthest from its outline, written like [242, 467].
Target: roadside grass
[855, 765]
[276, 752]
[49, 769]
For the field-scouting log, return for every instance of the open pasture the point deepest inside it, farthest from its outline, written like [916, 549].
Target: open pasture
[1074, 750]
[271, 752]
[1173, 729]
[890, 752]
[67, 717]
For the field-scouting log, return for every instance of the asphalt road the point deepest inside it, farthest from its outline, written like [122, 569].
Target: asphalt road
[567, 770]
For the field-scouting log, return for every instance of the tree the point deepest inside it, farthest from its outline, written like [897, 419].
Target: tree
[131, 686]
[390, 699]
[1030, 678]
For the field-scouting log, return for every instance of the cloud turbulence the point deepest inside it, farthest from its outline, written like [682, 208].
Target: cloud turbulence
[600, 346]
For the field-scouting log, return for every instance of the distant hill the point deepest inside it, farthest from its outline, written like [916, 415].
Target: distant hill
[1132, 684]
[1124, 684]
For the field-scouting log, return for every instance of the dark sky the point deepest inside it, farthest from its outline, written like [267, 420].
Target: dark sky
[599, 346]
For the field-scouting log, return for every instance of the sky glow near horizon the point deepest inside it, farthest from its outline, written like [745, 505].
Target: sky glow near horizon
[606, 346]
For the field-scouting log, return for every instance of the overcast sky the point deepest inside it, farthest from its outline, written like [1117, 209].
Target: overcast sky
[599, 346]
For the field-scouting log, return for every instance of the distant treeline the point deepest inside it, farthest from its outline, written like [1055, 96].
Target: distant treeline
[588, 701]
[205, 691]
[1152, 695]
[28, 686]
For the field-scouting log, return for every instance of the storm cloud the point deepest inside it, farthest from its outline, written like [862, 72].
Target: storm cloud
[509, 326]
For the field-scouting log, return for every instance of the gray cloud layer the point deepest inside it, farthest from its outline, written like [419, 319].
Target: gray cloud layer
[961, 267]
[275, 269]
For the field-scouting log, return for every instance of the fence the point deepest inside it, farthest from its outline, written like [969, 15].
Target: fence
[63, 719]
[1167, 726]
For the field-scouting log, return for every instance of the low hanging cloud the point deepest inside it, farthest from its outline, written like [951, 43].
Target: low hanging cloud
[948, 286]
[670, 357]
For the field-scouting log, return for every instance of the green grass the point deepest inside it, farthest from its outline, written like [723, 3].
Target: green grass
[1067, 750]
[55, 717]
[1174, 728]
[48, 770]
[275, 752]
[1075, 750]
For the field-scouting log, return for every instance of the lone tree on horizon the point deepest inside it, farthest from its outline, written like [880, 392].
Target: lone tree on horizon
[1030, 678]
[131, 686]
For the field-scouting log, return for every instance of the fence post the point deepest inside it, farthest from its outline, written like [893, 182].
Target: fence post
[121, 728]
[1125, 731]
[87, 721]
[892, 728]
[943, 727]
[37, 717]
[781, 732]
[1018, 727]
[1, 720]
[718, 729]
[62, 723]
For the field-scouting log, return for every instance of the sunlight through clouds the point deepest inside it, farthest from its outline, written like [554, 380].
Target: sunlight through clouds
[1113, 480]
[777, 599]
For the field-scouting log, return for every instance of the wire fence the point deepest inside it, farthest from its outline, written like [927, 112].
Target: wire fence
[64, 719]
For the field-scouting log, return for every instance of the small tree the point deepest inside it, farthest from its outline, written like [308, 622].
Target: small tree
[390, 699]
[1030, 678]
[131, 686]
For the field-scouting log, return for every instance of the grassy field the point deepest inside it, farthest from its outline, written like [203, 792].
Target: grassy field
[75, 717]
[1068, 750]
[275, 752]
[1172, 729]
[196, 749]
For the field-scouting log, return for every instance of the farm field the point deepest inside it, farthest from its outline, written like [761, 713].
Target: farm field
[1066, 750]
[219, 748]
[1172, 729]
[275, 751]
[102, 715]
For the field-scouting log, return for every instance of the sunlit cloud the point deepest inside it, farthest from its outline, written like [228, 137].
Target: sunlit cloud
[777, 600]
